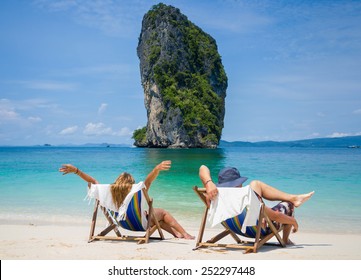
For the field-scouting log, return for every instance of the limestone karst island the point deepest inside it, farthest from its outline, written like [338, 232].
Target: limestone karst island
[184, 82]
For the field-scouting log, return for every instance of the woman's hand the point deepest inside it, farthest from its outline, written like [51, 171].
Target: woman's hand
[164, 165]
[68, 168]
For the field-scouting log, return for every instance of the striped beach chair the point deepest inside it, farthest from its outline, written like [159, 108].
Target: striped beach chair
[133, 221]
[256, 236]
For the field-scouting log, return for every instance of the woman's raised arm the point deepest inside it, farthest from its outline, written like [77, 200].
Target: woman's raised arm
[164, 165]
[68, 168]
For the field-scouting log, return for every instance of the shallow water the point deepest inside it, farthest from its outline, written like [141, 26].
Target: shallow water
[33, 191]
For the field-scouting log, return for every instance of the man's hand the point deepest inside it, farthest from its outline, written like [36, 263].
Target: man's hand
[212, 192]
[295, 227]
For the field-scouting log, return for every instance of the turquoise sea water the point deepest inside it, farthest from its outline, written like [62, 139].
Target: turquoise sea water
[33, 191]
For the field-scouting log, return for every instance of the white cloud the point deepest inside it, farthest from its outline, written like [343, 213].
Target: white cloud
[357, 112]
[34, 119]
[69, 130]
[48, 85]
[23, 111]
[102, 108]
[339, 134]
[97, 129]
[125, 131]
[7, 112]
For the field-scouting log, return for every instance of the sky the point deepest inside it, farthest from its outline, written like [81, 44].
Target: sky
[69, 71]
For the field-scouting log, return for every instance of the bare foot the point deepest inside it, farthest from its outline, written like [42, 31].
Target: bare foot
[184, 235]
[289, 242]
[188, 236]
[177, 234]
[302, 198]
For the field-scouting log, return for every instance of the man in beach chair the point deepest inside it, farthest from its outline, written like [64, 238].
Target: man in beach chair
[127, 205]
[241, 210]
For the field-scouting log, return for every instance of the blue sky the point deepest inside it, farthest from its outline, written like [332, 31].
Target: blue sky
[69, 72]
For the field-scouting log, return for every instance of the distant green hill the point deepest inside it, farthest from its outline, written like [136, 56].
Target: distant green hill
[339, 142]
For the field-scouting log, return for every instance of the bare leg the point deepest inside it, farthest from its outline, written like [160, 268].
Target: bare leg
[271, 193]
[169, 229]
[286, 234]
[170, 224]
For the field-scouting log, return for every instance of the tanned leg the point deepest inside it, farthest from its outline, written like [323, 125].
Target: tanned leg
[271, 193]
[286, 234]
[169, 223]
[169, 229]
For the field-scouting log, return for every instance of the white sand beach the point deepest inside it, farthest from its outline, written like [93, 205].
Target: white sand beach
[61, 242]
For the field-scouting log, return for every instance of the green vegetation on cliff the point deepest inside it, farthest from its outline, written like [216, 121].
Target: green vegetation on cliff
[140, 136]
[190, 90]
[184, 63]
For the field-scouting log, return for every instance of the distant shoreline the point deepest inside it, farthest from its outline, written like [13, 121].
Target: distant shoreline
[339, 142]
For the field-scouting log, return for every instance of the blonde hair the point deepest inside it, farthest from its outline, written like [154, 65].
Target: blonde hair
[121, 187]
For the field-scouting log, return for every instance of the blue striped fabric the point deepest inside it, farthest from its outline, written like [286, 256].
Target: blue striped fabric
[235, 224]
[133, 220]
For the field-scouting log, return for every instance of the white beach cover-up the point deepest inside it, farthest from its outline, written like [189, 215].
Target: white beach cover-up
[231, 202]
[103, 194]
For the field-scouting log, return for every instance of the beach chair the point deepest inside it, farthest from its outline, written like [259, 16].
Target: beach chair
[256, 235]
[131, 222]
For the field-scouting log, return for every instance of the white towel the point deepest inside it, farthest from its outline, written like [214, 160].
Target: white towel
[103, 194]
[230, 202]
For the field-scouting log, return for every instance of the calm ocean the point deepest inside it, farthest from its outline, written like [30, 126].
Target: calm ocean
[33, 191]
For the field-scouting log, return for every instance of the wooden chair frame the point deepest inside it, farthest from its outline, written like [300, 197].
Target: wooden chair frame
[248, 246]
[112, 226]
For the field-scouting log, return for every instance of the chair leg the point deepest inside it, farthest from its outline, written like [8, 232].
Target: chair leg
[111, 223]
[235, 237]
[219, 236]
[152, 216]
[147, 232]
[107, 230]
[94, 219]
[275, 231]
[156, 222]
[202, 227]
[258, 234]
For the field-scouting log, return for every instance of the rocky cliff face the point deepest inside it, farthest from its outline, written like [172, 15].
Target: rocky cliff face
[183, 79]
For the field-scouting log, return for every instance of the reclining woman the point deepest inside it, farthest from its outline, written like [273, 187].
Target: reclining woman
[123, 185]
